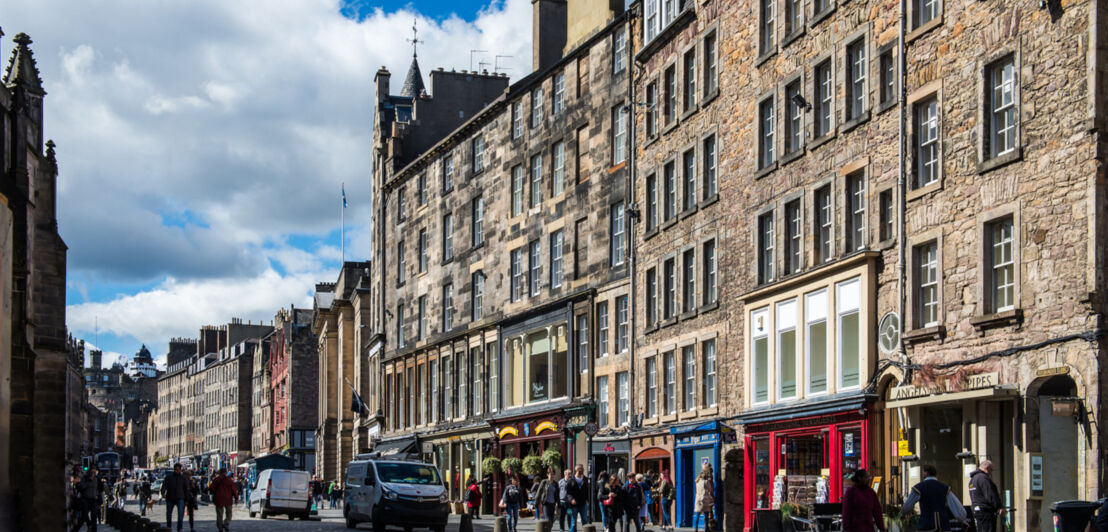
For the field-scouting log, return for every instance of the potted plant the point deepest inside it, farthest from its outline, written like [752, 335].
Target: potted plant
[532, 465]
[552, 459]
[512, 465]
[491, 465]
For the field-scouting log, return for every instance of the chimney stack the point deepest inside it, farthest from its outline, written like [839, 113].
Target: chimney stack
[548, 32]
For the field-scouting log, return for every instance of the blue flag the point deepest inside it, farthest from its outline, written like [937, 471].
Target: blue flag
[344, 195]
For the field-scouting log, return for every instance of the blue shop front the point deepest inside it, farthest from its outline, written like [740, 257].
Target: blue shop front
[698, 446]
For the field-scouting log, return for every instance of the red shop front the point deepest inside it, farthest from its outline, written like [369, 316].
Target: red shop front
[530, 436]
[804, 460]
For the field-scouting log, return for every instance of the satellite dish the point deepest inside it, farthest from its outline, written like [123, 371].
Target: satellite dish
[888, 332]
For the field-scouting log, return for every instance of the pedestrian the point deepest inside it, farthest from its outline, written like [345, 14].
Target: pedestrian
[224, 494]
[647, 496]
[601, 486]
[144, 494]
[632, 504]
[861, 509]
[510, 501]
[666, 493]
[174, 492]
[611, 499]
[562, 499]
[331, 494]
[89, 491]
[473, 499]
[191, 503]
[984, 497]
[937, 504]
[577, 497]
[546, 497]
[705, 499]
[317, 492]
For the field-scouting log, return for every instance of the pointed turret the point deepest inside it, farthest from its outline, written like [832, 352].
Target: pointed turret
[413, 84]
[22, 71]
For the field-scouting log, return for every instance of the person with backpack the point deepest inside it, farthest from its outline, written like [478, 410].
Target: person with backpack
[473, 499]
[510, 502]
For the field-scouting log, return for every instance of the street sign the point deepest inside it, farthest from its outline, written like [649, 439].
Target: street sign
[591, 429]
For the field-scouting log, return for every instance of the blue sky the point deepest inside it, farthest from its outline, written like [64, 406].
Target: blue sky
[202, 147]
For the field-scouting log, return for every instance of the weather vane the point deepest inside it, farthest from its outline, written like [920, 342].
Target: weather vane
[415, 38]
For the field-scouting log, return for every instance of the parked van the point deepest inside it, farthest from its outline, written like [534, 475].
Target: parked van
[396, 492]
[281, 491]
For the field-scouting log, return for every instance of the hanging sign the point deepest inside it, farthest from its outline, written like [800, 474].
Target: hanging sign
[902, 448]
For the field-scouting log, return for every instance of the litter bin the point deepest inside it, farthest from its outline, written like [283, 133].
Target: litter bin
[1072, 516]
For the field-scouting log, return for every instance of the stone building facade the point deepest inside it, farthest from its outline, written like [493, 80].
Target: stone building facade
[261, 401]
[294, 386]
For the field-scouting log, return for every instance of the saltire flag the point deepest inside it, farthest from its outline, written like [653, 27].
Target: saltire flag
[357, 406]
[344, 195]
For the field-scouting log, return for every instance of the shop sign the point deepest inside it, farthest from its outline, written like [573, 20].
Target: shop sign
[902, 448]
[545, 426]
[698, 439]
[578, 421]
[848, 444]
[611, 447]
[1036, 475]
[507, 431]
[973, 382]
[428, 447]
[1050, 372]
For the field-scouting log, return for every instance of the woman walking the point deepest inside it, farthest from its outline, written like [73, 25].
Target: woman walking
[861, 509]
[647, 489]
[665, 493]
[190, 499]
[546, 497]
[510, 501]
[611, 502]
[705, 499]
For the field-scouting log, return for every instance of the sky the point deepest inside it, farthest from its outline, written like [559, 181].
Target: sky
[203, 145]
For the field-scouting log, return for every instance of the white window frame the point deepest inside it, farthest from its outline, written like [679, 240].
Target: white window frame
[813, 315]
[623, 319]
[782, 326]
[623, 399]
[602, 401]
[760, 317]
[602, 319]
[842, 309]
[927, 142]
[557, 245]
[652, 387]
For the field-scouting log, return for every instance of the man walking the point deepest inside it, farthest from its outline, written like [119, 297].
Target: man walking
[577, 497]
[175, 489]
[144, 493]
[562, 484]
[984, 497]
[89, 491]
[937, 505]
[224, 494]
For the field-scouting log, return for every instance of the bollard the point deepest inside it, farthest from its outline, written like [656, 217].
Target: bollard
[500, 524]
[590, 528]
[466, 524]
[544, 525]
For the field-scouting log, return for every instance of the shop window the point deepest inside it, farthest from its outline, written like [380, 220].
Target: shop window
[513, 374]
[602, 401]
[760, 340]
[850, 445]
[671, 383]
[786, 349]
[461, 370]
[448, 388]
[848, 298]
[546, 363]
[477, 361]
[815, 323]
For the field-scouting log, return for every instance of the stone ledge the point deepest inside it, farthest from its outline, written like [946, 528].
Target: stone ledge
[997, 319]
[937, 332]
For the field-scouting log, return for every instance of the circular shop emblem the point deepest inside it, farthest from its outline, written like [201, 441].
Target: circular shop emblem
[591, 428]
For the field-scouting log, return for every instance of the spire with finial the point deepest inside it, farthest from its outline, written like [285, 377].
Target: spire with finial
[413, 83]
[22, 70]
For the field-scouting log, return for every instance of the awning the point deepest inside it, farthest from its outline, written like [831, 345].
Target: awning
[653, 453]
[710, 426]
[806, 408]
[409, 444]
[980, 394]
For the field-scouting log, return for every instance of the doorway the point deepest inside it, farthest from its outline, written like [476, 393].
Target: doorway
[1059, 445]
[941, 441]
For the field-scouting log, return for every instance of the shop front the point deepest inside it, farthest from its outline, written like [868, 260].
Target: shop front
[458, 454]
[523, 438]
[696, 447]
[803, 454]
[653, 455]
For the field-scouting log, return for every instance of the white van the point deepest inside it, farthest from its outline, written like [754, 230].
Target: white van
[401, 493]
[281, 491]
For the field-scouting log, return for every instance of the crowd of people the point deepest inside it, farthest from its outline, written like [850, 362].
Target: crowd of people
[326, 492]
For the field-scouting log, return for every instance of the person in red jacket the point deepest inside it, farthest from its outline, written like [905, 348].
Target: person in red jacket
[224, 494]
[861, 509]
[473, 499]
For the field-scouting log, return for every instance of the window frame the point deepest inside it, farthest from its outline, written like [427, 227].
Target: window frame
[447, 306]
[988, 110]
[765, 246]
[477, 297]
[617, 231]
[447, 237]
[516, 190]
[709, 167]
[688, 80]
[920, 144]
[536, 99]
[709, 268]
[852, 210]
[767, 132]
[793, 242]
[534, 268]
[918, 320]
[856, 89]
[793, 134]
[602, 329]
[557, 252]
[823, 220]
[985, 221]
[477, 221]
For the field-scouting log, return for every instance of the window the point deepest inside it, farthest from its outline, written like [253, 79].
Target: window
[765, 248]
[786, 349]
[477, 365]
[517, 119]
[670, 383]
[689, 182]
[1001, 109]
[927, 142]
[400, 326]
[448, 388]
[477, 221]
[856, 79]
[619, 50]
[536, 107]
[447, 307]
[669, 289]
[447, 237]
[478, 302]
[925, 11]
[794, 17]
[815, 333]
[559, 155]
[602, 328]
[1002, 271]
[688, 281]
[708, 290]
[824, 217]
[421, 331]
[517, 190]
[651, 297]
[557, 243]
[927, 285]
[423, 243]
[535, 267]
[617, 233]
[651, 110]
[855, 212]
[582, 74]
[650, 26]
[885, 199]
[400, 262]
[421, 190]
[624, 399]
[670, 110]
[651, 202]
[494, 375]
[767, 10]
[619, 134]
[559, 92]
[888, 77]
[689, 89]
[581, 248]
[824, 97]
[401, 211]
[794, 118]
[581, 137]
[517, 274]
[688, 354]
[478, 148]
[711, 184]
[536, 180]
[583, 342]
[765, 133]
[708, 352]
[651, 387]
[793, 240]
[819, 6]
[711, 71]
[602, 401]
[848, 299]
[622, 324]
[447, 173]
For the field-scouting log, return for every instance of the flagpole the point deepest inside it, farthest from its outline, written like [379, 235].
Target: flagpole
[342, 232]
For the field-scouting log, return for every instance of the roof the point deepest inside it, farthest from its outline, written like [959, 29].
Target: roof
[413, 84]
[22, 70]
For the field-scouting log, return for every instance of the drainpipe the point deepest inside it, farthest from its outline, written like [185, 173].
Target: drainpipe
[901, 186]
[630, 106]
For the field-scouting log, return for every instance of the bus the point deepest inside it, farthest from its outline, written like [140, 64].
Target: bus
[108, 464]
